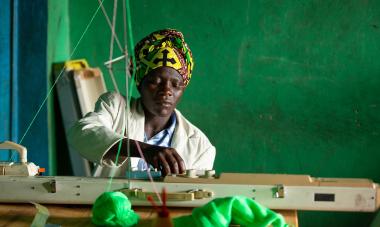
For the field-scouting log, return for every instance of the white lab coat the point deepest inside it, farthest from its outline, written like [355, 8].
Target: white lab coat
[98, 131]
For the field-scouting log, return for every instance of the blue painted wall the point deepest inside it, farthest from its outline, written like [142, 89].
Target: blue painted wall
[30, 60]
[5, 74]
[23, 77]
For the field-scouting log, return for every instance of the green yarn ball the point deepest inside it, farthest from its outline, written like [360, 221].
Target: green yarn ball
[113, 209]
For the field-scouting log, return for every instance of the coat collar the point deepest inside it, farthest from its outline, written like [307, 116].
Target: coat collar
[182, 130]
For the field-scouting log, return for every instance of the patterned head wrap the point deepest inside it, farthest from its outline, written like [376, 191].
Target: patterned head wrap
[163, 48]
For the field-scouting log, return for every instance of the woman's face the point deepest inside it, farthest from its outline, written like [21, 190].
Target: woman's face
[161, 90]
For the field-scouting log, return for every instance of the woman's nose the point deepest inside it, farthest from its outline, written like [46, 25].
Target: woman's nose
[166, 88]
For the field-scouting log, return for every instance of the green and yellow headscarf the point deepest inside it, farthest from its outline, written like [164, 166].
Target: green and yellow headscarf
[163, 48]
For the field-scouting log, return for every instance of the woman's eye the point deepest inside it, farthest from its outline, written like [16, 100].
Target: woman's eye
[175, 85]
[156, 81]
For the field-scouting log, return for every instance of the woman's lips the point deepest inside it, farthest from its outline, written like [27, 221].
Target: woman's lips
[164, 103]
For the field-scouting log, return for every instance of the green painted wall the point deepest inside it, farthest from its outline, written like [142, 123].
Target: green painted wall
[58, 51]
[278, 86]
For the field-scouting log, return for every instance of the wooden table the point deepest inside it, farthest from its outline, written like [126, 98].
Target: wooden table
[19, 215]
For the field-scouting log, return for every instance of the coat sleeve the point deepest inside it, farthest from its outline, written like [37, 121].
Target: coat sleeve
[205, 158]
[94, 134]
[193, 145]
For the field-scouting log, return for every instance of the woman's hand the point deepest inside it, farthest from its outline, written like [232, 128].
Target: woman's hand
[165, 159]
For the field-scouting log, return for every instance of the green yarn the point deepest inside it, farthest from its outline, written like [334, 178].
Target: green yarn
[237, 210]
[113, 209]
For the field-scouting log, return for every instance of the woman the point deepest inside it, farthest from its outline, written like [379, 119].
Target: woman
[168, 141]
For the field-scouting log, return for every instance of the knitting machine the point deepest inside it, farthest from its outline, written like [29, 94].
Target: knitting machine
[195, 188]
[22, 168]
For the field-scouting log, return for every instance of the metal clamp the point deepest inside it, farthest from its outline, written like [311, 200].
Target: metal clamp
[279, 191]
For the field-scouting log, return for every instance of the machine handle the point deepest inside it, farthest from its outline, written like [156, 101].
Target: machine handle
[170, 196]
[6, 145]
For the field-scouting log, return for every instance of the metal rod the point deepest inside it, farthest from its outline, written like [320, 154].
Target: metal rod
[114, 60]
